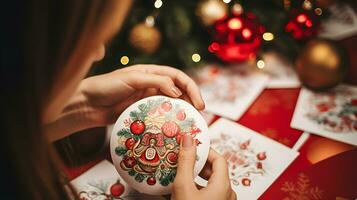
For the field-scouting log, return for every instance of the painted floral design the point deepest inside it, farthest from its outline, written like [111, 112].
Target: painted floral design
[222, 85]
[103, 190]
[301, 189]
[149, 142]
[335, 111]
[244, 162]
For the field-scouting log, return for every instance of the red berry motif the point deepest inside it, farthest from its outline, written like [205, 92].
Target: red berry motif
[172, 157]
[137, 127]
[246, 181]
[259, 165]
[166, 106]
[129, 143]
[129, 162]
[151, 181]
[244, 145]
[181, 115]
[261, 156]
[170, 129]
[117, 189]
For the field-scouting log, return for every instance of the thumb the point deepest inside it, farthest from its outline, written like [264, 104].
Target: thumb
[186, 159]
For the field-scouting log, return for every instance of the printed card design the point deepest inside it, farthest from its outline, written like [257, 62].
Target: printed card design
[330, 114]
[254, 161]
[229, 92]
[146, 140]
[102, 182]
[341, 24]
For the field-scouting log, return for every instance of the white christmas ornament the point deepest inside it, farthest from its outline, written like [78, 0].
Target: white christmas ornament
[146, 138]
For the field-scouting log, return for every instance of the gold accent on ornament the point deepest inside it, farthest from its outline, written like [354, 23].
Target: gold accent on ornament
[209, 11]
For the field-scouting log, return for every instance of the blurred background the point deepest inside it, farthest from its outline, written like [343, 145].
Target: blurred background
[189, 34]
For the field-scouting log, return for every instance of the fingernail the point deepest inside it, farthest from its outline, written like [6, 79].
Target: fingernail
[187, 141]
[176, 91]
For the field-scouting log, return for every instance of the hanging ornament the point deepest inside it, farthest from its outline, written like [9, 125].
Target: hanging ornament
[303, 24]
[145, 37]
[322, 64]
[236, 38]
[210, 11]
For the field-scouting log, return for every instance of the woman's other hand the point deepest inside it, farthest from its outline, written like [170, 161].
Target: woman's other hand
[215, 171]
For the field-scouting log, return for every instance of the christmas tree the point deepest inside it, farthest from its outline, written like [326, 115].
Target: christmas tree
[188, 33]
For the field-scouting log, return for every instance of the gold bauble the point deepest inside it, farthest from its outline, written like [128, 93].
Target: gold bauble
[145, 38]
[322, 64]
[209, 11]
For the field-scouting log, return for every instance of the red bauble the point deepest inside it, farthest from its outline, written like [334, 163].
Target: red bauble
[166, 106]
[261, 156]
[137, 127]
[181, 115]
[236, 38]
[170, 129]
[117, 189]
[303, 24]
[129, 143]
[129, 162]
[151, 181]
[246, 181]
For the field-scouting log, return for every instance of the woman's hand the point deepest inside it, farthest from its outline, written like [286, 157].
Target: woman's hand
[215, 170]
[100, 99]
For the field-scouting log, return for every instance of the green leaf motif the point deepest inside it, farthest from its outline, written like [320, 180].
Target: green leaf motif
[125, 132]
[139, 178]
[120, 151]
[132, 173]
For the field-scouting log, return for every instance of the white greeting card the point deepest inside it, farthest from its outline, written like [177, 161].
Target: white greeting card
[341, 24]
[331, 114]
[102, 182]
[254, 160]
[229, 92]
[281, 74]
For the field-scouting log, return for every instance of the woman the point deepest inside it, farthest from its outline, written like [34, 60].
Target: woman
[46, 97]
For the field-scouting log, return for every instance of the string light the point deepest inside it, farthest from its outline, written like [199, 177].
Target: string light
[226, 1]
[267, 36]
[234, 24]
[260, 64]
[318, 11]
[150, 21]
[196, 57]
[158, 4]
[124, 60]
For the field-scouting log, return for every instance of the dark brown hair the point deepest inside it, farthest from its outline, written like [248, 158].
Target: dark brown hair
[39, 39]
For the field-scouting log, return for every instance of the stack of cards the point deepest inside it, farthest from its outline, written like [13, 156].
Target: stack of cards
[102, 182]
[330, 114]
[254, 161]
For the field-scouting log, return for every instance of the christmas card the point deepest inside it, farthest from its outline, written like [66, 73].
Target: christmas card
[254, 161]
[102, 182]
[146, 138]
[229, 92]
[281, 74]
[331, 114]
[341, 24]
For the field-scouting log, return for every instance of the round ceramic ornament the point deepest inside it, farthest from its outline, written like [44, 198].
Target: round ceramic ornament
[146, 138]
